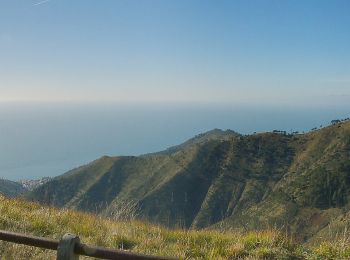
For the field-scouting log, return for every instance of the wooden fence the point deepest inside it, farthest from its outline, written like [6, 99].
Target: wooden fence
[70, 247]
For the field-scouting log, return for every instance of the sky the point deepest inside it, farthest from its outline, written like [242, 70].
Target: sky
[84, 78]
[291, 52]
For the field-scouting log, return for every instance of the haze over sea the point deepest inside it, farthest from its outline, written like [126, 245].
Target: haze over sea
[42, 139]
[83, 79]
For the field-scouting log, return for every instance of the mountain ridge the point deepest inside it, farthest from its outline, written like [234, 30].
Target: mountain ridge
[215, 134]
[297, 181]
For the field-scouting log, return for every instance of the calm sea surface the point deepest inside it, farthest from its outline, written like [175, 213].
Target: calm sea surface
[39, 140]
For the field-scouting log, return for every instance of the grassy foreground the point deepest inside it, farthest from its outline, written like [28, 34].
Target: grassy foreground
[31, 218]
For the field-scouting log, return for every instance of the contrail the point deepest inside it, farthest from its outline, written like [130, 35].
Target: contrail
[42, 2]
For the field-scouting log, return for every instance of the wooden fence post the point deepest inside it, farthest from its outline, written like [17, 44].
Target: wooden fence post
[65, 249]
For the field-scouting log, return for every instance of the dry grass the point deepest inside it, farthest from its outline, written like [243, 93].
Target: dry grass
[31, 218]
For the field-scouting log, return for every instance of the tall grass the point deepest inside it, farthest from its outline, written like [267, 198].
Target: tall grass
[135, 236]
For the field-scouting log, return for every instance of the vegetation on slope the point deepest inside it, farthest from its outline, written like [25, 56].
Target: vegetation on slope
[10, 188]
[300, 182]
[215, 134]
[135, 236]
[314, 192]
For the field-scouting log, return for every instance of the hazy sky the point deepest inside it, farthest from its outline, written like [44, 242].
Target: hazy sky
[191, 50]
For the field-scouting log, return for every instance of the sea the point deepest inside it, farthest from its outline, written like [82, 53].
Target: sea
[46, 139]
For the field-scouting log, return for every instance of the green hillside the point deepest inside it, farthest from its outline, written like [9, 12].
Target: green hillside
[30, 218]
[298, 182]
[10, 188]
[215, 134]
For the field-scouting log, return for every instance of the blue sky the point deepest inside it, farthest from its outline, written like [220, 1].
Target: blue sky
[291, 51]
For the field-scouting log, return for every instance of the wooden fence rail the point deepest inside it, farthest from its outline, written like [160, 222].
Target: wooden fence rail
[69, 247]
